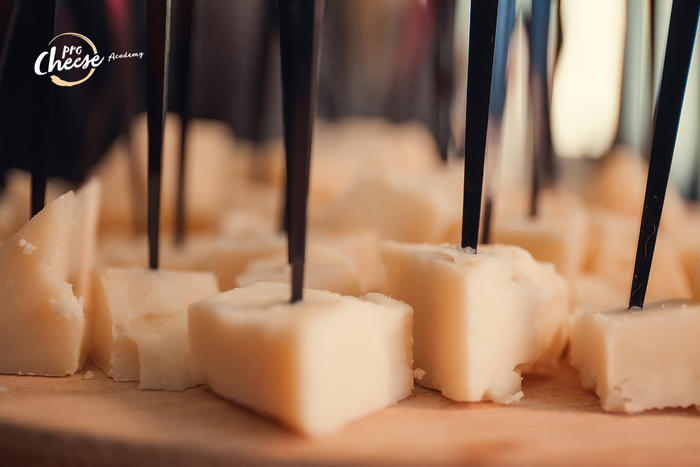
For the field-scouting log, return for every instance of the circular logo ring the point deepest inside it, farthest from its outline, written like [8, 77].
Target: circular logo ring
[60, 82]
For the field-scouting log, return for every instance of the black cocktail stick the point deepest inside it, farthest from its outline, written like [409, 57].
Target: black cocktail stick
[445, 20]
[539, 98]
[185, 13]
[158, 48]
[9, 37]
[43, 17]
[505, 23]
[679, 48]
[482, 32]
[300, 30]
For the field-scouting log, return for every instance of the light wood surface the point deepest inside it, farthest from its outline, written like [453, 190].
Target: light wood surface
[77, 421]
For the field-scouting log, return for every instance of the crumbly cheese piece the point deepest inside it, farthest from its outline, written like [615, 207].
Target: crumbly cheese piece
[326, 268]
[43, 284]
[314, 365]
[640, 360]
[140, 324]
[480, 320]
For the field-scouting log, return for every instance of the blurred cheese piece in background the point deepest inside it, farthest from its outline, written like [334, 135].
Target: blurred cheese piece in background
[314, 365]
[344, 151]
[44, 271]
[587, 81]
[326, 268]
[140, 324]
[230, 255]
[212, 168]
[480, 320]
[363, 246]
[592, 293]
[640, 360]
[619, 185]
[556, 235]
[398, 207]
[611, 253]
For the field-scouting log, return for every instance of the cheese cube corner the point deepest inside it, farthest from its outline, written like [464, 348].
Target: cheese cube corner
[314, 365]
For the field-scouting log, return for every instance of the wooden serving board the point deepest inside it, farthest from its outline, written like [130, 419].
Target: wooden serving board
[77, 421]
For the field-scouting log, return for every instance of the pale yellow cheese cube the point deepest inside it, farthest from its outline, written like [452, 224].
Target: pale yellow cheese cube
[140, 324]
[326, 268]
[364, 248]
[611, 253]
[43, 286]
[398, 206]
[314, 365]
[593, 293]
[230, 256]
[480, 320]
[345, 151]
[212, 169]
[640, 360]
[556, 240]
[619, 185]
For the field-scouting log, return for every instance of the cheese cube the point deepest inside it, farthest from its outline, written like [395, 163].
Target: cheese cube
[640, 360]
[611, 254]
[140, 325]
[343, 152]
[326, 269]
[480, 320]
[592, 293]
[398, 207]
[211, 170]
[230, 256]
[619, 185]
[364, 248]
[314, 365]
[555, 240]
[43, 276]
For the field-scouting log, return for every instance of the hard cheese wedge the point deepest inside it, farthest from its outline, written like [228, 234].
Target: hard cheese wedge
[43, 279]
[140, 324]
[640, 360]
[327, 268]
[314, 365]
[480, 319]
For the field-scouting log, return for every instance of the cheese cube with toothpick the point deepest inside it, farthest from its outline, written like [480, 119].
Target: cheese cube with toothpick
[480, 320]
[314, 365]
[642, 360]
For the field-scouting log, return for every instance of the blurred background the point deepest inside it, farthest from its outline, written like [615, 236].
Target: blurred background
[379, 58]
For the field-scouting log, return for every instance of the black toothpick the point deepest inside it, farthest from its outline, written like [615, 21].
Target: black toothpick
[482, 32]
[158, 49]
[542, 153]
[444, 25]
[43, 17]
[185, 13]
[679, 49]
[300, 30]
